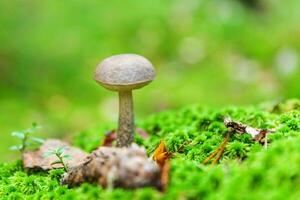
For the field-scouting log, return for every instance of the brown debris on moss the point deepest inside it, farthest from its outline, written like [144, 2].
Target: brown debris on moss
[218, 152]
[258, 135]
[111, 136]
[113, 167]
[37, 160]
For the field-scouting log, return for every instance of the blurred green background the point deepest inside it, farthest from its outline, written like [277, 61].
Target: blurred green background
[212, 52]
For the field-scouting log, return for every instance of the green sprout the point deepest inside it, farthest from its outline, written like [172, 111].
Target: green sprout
[60, 155]
[26, 138]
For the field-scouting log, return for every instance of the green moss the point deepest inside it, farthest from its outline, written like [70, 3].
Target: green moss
[271, 173]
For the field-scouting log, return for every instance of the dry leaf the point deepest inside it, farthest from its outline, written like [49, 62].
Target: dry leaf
[109, 138]
[161, 154]
[37, 160]
[161, 157]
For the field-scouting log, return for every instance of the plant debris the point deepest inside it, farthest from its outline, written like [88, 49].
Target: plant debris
[218, 152]
[37, 160]
[111, 136]
[161, 157]
[259, 135]
[110, 167]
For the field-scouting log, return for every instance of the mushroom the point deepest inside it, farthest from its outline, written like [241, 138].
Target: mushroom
[124, 73]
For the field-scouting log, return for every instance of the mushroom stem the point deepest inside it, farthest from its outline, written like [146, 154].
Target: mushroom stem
[126, 119]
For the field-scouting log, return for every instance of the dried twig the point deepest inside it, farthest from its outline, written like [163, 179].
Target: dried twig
[219, 151]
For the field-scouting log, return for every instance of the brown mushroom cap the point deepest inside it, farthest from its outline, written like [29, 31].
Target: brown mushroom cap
[124, 72]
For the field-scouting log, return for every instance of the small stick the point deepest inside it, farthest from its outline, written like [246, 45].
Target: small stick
[222, 149]
[218, 151]
[211, 155]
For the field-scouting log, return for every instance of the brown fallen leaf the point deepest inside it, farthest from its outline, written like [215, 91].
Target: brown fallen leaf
[111, 136]
[110, 167]
[36, 159]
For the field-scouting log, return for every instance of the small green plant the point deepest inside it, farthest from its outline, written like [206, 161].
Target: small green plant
[60, 155]
[26, 138]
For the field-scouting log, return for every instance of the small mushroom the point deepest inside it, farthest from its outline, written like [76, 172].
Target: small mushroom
[124, 73]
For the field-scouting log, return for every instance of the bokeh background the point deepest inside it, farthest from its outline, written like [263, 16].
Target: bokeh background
[211, 52]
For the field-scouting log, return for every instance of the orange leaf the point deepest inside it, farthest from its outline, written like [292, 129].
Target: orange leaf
[161, 154]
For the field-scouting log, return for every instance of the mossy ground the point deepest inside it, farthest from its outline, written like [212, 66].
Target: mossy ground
[246, 170]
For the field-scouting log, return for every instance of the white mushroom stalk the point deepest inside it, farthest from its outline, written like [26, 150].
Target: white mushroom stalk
[124, 73]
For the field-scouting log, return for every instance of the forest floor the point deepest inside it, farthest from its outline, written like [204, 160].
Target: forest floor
[246, 169]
